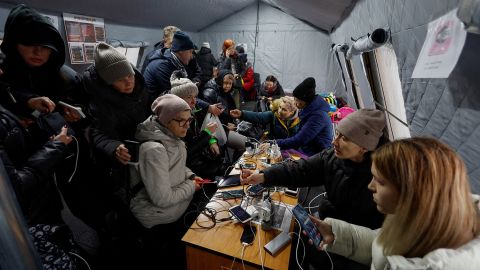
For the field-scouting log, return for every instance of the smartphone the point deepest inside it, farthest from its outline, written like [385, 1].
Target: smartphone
[77, 109]
[307, 224]
[248, 234]
[133, 149]
[249, 166]
[232, 194]
[239, 213]
[291, 191]
[255, 190]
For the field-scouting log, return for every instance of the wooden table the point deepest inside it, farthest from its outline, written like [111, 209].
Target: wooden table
[215, 248]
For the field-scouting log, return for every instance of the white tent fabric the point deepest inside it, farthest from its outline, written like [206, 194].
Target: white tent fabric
[286, 47]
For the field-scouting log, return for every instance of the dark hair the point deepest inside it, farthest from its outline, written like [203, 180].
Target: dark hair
[271, 78]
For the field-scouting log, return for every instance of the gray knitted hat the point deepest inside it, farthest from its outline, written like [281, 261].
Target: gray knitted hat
[167, 106]
[110, 64]
[364, 127]
[183, 87]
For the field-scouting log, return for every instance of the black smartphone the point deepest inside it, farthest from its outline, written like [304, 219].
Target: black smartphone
[307, 224]
[239, 213]
[255, 190]
[133, 148]
[248, 234]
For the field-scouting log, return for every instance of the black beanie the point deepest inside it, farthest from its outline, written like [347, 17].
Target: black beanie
[305, 91]
[181, 42]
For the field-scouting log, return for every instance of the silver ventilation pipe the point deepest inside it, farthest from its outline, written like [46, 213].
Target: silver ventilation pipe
[369, 42]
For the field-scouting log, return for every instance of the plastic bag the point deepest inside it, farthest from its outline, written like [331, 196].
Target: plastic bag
[220, 132]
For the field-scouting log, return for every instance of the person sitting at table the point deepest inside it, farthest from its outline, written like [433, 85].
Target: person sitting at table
[315, 129]
[422, 187]
[283, 118]
[204, 155]
[269, 90]
[344, 170]
[168, 184]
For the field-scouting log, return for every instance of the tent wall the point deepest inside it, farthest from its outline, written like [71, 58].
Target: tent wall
[112, 30]
[287, 47]
[448, 109]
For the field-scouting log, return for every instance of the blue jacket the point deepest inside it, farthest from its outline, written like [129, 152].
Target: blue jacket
[315, 131]
[278, 129]
[161, 67]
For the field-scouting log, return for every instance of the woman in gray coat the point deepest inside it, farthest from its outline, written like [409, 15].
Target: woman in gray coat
[169, 185]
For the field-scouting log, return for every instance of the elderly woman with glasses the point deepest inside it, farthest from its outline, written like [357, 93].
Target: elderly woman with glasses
[169, 186]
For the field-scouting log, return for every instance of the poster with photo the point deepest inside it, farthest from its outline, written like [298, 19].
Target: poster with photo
[83, 33]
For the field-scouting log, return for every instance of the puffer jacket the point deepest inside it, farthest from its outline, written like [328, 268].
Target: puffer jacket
[30, 166]
[207, 62]
[213, 93]
[315, 131]
[359, 244]
[346, 183]
[162, 65]
[279, 129]
[161, 167]
[27, 82]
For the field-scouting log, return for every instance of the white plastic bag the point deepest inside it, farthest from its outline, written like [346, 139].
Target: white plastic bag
[220, 132]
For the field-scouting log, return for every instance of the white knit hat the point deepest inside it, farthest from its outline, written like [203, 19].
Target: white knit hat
[206, 45]
[182, 87]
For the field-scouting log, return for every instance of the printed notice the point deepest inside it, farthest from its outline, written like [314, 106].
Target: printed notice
[83, 33]
[442, 47]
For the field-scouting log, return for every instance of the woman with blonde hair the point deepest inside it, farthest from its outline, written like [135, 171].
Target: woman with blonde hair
[431, 220]
[283, 118]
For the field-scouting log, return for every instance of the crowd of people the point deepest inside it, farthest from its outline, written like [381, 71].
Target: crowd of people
[132, 166]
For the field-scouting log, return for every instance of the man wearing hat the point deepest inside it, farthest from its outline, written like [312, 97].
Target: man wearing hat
[166, 61]
[345, 172]
[315, 130]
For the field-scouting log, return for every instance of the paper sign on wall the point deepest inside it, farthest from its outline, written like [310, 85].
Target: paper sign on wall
[83, 33]
[442, 47]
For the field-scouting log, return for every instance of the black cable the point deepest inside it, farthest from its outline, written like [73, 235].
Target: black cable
[257, 27]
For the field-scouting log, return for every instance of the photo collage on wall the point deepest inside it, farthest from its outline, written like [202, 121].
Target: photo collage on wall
[83, 33]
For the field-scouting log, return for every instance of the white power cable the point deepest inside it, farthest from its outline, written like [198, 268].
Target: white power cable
[76, 160]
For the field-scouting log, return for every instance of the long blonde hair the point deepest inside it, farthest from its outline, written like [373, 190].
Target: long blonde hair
[435, 207]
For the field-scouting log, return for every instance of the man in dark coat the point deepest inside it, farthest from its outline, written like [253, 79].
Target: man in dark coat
[167, 61]
[344, 170]
[315, 131]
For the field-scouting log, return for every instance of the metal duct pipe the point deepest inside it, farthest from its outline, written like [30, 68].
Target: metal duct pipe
[469, 13]
[369, 42]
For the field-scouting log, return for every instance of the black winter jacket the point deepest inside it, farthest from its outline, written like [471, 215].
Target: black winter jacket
[115, 115]
[27, 82]
[30, 165]
[207, 62]
[345, 183]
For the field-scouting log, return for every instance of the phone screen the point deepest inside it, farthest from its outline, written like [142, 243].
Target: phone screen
[255, 189]
[240, 213]
[307, 225]
[248, 234]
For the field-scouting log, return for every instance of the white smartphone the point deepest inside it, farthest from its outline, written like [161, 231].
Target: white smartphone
[75, 108]
[239, 213]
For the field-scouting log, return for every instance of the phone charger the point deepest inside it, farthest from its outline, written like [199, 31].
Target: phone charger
[277, 243]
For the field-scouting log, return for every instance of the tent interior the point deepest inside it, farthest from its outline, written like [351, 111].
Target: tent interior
[294, 39]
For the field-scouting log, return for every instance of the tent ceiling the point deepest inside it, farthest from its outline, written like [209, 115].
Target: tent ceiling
[193, 15]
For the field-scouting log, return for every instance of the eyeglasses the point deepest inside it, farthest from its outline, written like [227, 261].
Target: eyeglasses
[183, 122]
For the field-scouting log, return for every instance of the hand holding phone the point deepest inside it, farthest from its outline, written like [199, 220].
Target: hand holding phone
[307, 225]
